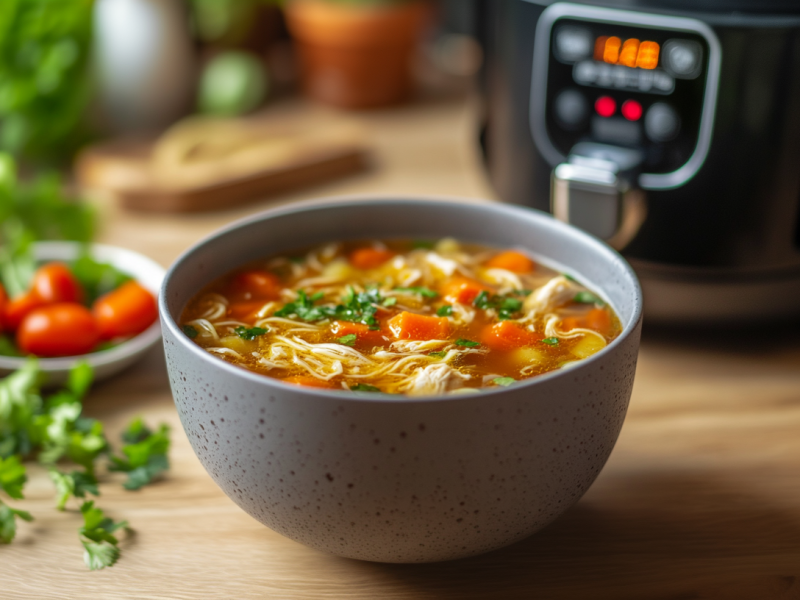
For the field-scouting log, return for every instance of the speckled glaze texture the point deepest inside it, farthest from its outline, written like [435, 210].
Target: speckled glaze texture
[403, 479]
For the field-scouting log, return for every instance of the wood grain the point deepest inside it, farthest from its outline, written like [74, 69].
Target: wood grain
[700, 499]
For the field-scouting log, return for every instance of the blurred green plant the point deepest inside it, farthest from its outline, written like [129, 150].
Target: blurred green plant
[39, 210]
[226, 21]
[44, 76]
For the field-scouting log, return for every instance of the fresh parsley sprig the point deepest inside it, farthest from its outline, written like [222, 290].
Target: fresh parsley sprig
[100, 545]
[505, 305]
[250, 333]
[145, 454]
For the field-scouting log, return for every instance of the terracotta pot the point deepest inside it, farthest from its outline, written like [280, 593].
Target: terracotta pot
[356, 56]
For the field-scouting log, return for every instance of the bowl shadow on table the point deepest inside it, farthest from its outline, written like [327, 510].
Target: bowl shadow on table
[743, 339]
[675, 536]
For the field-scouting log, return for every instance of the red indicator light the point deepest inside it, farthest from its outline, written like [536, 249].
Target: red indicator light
[631, 110]
[605, 106]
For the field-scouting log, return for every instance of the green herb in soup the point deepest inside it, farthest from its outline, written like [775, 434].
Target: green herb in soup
[400, 317]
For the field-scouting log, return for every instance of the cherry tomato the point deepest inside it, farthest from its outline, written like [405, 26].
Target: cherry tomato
[18, 308]
[128, 310]
[64, 329]
[258, 284]
[54, 282]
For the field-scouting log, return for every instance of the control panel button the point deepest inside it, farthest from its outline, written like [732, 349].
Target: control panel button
[571, 109]
[573, 44]
[682, 58]
[661, 123]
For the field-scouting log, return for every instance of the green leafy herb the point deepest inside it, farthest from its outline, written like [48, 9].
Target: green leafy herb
[550, 341]
[8, 347]
[249, 333]
[569, 277]
[422, 291]
[12, 476]
[75, 484]
[97, 278]
[363, 387]
[438, 354]
[505, 305]
[101, 547]
[348, 340]
[190, 331]
[145, 454]
[391, 301]
[356, 308]
[445, 311]
[586, 297]
[467, 343]
[422, 245]
[503, 381]
[8, 522]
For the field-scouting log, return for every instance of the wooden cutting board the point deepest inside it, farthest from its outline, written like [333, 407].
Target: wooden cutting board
[205, 164]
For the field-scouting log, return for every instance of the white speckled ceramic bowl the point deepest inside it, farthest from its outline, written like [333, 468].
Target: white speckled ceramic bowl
[105, 363]
[398, 479]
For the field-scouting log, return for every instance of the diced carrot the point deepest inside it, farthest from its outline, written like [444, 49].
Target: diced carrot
[597, 319]
[258, 284]
[310, 381]
[600, 320]
[369, 258]
[463, 290]
[507, 335]
[245, 310]
[365, 337]
[411, 326]
[511, 260]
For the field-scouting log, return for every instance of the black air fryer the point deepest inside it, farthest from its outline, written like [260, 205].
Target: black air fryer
[669, 129]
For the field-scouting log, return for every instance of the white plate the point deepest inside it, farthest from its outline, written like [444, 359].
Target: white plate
[107, 362]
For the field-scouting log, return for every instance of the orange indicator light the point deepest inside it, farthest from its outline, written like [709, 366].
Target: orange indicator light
[629, 51]
[632, 53]
[611, 50]
[648, 55]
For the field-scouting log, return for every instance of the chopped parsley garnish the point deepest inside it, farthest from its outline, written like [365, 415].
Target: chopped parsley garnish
[444, 311]
[423, 244]
[97, 536]
[587, 297]
[467, 343]
[390, 301]
[348, 340]
[190, 331]
[356, 308]
[250, 333]
[569, 277]
[551, 341]
[439, 354]
[505, 305]
[363, 387]
[504, 381]
[422, 291]
[145, 454]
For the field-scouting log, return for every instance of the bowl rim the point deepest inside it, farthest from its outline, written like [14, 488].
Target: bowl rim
[69, 250]
[423, 200]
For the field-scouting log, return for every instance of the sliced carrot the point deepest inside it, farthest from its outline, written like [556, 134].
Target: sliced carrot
[507, 335]
[245, 310]
[570, 323]
[463, 290]
[310, 381]
[365, 337]
[258, 284]
[511, 260]
[369, 258]
[411, 326]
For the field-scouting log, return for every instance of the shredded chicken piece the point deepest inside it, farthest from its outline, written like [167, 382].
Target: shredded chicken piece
[559, 290]
[445, 265]
[434, 379]
[502, 277]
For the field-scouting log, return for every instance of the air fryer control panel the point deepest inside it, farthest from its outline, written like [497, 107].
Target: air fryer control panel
[632, 80]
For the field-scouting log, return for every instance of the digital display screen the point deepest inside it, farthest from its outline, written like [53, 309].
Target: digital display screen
[630, 53]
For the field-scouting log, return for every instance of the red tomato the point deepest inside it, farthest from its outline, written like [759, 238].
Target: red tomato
[128, 310]
[54, 282]
[18, 308]
[64, 329]
[258, 284]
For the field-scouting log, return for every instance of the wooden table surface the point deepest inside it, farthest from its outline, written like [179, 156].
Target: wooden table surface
[699, 500]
